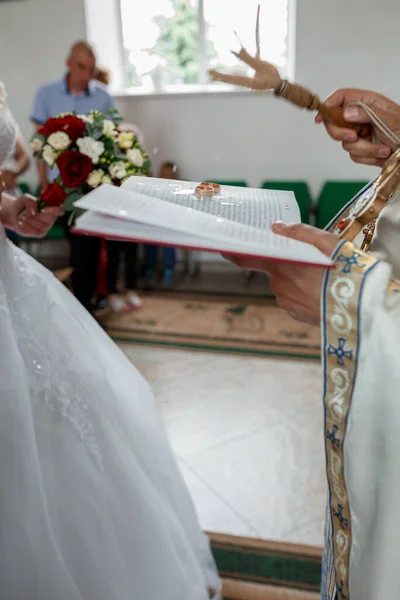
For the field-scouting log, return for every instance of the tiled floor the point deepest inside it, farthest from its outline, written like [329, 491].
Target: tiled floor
[248, 436]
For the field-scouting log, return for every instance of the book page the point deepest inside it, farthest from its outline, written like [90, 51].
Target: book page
[255, 207]
[200, 230]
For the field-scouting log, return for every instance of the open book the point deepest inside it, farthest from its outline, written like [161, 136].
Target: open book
[169, 213]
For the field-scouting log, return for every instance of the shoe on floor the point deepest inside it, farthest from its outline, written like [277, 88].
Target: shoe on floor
[134, 301]
[118, 305]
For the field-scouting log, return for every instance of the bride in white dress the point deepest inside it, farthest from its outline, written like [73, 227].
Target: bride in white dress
[92, 505]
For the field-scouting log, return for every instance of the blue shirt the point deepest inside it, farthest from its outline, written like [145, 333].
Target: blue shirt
[55, 98]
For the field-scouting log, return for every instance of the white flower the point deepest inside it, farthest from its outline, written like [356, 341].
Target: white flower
[117, 170]
[95, 178]
[49, 155]
[3, 95]
[135, 157]
[36, 144]
[125, 139]
[66, 114]
[91, 148]
[59, 140]
[106, 179]
[87, 118]
[109, 128]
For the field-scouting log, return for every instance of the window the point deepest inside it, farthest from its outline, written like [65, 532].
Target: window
[169, 45]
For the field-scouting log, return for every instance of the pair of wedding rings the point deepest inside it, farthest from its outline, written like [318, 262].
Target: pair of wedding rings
[207, 190]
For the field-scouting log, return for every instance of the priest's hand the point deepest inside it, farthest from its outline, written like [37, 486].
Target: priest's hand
[376, 148]
[297, 289]
[22, 216]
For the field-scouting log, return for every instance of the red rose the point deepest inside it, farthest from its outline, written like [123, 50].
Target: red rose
[75, 168]
[54, 195]
[70, 124]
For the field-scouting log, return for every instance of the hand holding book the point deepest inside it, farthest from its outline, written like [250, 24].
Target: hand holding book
[297, 289]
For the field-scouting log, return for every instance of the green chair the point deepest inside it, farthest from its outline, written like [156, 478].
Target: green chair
[333, 197]
[235, 183]
[300, 190]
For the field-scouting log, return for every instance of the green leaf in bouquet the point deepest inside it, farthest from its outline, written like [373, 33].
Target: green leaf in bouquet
[97, 133]
[118, 154]
[71, 199]
[114, 116]
[68, 191]
[75, 213]
[90, 129]
[109, 144]
[98, 121]
[147, 165]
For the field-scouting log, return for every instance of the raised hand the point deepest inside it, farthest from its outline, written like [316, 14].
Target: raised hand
[375, 148]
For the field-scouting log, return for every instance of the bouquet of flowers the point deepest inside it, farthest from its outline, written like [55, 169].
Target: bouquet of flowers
[87, 151]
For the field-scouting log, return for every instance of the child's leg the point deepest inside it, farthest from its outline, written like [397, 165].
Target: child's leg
[133, 299]
[130, 249]
[113, 257]
[169, 258]
[169, 264]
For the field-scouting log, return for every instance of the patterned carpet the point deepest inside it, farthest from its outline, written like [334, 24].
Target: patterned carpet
[258, 570]
[199, 321]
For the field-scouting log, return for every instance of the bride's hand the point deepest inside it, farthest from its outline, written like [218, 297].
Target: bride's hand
[22, 216]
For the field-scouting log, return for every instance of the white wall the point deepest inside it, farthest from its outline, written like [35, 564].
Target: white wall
[339, 42]
[34, 39]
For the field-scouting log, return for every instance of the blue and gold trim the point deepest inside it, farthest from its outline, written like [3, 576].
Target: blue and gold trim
[344, 213]
[394, 287]
[340, 338]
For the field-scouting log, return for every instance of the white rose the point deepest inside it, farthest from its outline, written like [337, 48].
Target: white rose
[91, 148]
[36, 144]
[109, 128]
[59, 140]
[106, 179]
[125, 139]
[49, 155]
[135, 157]
[95, 178]
[117, 170]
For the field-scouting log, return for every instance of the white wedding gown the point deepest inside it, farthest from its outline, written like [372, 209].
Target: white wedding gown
[92, 505]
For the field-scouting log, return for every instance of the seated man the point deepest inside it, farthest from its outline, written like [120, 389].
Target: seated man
[78, 92]
[357, 305]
